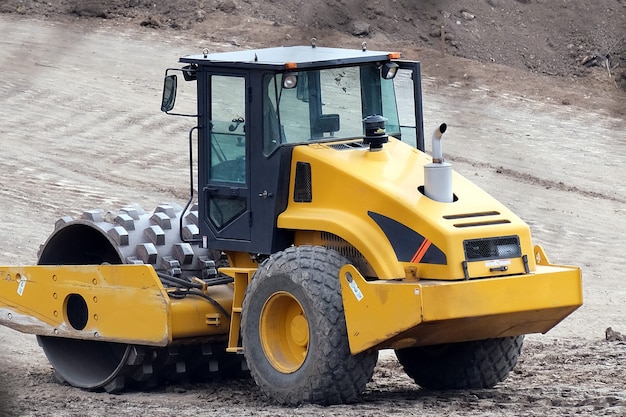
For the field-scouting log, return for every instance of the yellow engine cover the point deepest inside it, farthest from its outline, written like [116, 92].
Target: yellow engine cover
[375, 202]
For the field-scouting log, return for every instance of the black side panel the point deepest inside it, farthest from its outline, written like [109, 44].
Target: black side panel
[409, 245]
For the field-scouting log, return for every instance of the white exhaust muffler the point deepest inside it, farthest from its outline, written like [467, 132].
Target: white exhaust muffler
[438, 174]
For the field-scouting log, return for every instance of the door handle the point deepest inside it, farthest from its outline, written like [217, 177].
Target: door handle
[232, 192]
[265, 195]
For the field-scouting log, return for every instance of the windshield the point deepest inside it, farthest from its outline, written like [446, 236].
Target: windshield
[326, 104]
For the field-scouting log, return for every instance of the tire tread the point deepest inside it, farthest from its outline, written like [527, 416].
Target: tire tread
[467, 365]
[335, 376]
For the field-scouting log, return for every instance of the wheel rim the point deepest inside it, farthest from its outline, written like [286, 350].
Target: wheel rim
[284, 331]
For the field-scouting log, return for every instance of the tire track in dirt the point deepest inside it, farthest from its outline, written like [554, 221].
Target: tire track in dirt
[116, 142]
[545, 139]
[537, 387]
[535, 180]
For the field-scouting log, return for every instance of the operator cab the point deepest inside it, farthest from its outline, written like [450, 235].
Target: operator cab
[255, 106]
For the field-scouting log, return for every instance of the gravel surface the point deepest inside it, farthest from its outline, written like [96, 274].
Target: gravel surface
[81, 129]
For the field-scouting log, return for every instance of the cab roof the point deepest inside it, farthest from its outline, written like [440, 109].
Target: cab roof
[290, 57]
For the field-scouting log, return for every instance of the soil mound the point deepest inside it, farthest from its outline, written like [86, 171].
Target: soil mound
[572, 38]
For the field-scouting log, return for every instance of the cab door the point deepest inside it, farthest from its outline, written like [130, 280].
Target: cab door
[224, 175]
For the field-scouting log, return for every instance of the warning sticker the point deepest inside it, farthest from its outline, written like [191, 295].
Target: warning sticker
[498, 262]
[21, 286]
[355, 289]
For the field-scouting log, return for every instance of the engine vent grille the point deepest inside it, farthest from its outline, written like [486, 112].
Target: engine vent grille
[302, 190]
[347, 145]
[492, 248]
[470, 215]
[345, 249]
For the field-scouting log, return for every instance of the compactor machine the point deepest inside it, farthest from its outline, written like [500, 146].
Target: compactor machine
[317, 233]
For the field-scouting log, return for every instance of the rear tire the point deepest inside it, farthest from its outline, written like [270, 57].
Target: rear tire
[294, 330]
[467, 365]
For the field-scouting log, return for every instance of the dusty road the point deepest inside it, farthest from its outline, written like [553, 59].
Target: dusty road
[80, 128]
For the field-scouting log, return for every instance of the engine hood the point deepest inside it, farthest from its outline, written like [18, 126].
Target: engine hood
[374, 201]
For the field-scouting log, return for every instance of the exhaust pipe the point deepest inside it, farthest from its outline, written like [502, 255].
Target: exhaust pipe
[438, 174]
[436, 141]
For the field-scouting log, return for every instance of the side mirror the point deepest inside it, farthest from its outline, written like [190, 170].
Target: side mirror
[169, 93]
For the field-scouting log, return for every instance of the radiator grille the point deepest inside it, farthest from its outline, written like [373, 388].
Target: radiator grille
[492, 248]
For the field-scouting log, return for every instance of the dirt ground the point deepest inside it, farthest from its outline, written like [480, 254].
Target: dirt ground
[80, 128]
[564, 38]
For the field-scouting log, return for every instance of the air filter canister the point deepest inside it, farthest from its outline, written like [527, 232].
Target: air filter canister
[438, 182]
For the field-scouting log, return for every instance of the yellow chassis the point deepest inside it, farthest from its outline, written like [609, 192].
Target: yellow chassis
[395, 314]
[128, 304]
[386, 314]
[122, 303]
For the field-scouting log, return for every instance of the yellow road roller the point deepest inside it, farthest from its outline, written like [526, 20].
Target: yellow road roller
[317, 232]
